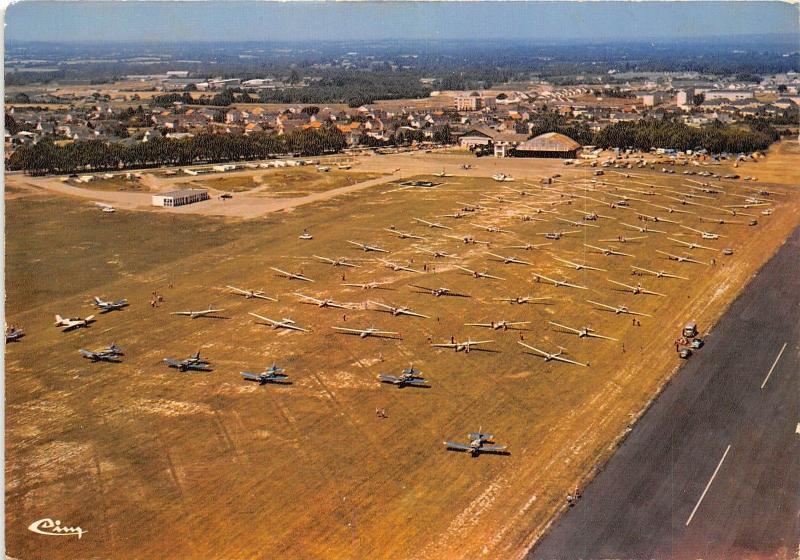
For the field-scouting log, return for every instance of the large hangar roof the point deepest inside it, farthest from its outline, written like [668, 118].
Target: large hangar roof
[549, 142]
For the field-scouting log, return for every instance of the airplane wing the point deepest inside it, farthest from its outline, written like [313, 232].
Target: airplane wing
[350, 331]
[187, 313]
[414, 314]
[478, 435]
[568, 361]
[457, 446]
[172, 363]
[478, 325]
[492, 448]
[418, 382]
[250, 376]
[529, 347]
[445, 345]
[475, 342]
[267, 319]
[88, 353]
[564, 327]
[388, 378]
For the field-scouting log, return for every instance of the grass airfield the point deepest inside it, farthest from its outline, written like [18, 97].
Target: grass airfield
[158, 463]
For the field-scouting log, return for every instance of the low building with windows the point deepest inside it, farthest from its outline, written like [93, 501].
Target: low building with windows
[180, 197]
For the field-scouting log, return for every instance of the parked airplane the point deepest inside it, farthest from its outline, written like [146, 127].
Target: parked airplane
[399, 267]
[556, 235]
[669, 209]
[195, 314]
[442, 174]
[528, 246]
[579, 266]
[364, 333]
[367, 248]
[509, 259]
[464, 346]
[704, 234]
[637, 289]
[468, 239]
[607, 251]
[477, 445]
[108, 354]
[456, 215]
[272, 374]
[491, 229]
[438, 292]
[291, 275]
[583, 332]
[657, 274]
[642, 229]
[403, 234]
[577, 224]
[619, 310]
[107, 208]
[14, 334]
[396, 311]
[73, 323]
[680, 259]
[592, 216]
[368, 285]
[622, 239]
[282, 324]
[251, 294]
[498, 325]
[320, 302]
[721, 221]
[656, 219]
[552, 356]
[336, 262]
[691, 244]
[559, 283]
[106, 306]
[477, 274]
[431, 224]
[191, 363]
[520, 300]
[440, 254]
[502, 177]
[409, 377]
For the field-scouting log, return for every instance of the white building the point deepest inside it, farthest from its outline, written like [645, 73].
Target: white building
[685, 97]
[180, 197]
[730, 94]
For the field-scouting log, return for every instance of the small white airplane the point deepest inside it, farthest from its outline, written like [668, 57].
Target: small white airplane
[431, 224]
[467, 207]
[607, 251]
[438, 292]
[619, 309]
[399, 267]
[670, 209]
[502, 177]
[477, 274]
[250, 294]
[583, 332]
[691, 244]
[106, 306]
[657, 273]
[397, 311]
[468, 239]
[72, 323]
[592, 216]
[291, 275]
[305, 236]
[509, 259]
[528, 246]
[364, 333]
[323, 168]
[552, 356]
[703, 234]
[284, 323]
[538, 210]
[520, 300]
[622, 239]
[579, 266]
[637, 289]
[498, 325]
[195, 314]
[642, 229]
[403, 234]
[491, 229]
[440, 254]
[367, 248]
[679, 258]
[559, 283]
[320, 302]
[556, 235]
[107, 208]
[576, 224]
[368, 285]
[336, 262]
[721, 221]
[464, 346]
[442, 174]
[657, 219]
[456, 215]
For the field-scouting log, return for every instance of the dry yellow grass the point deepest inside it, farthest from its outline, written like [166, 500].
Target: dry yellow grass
[155, 463]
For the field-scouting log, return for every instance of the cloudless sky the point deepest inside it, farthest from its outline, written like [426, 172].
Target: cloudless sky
[176, 21]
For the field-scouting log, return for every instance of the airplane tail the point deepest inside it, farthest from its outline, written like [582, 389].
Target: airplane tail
[97, 300]
[59, 318]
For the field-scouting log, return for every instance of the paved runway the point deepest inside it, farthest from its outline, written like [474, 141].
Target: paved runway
[712, 470]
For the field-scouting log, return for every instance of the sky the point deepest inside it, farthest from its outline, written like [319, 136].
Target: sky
[176, 21]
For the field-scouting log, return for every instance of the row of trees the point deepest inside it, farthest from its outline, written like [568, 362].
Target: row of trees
[96, 155]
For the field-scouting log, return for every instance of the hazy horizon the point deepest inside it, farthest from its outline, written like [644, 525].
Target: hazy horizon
[214, 21]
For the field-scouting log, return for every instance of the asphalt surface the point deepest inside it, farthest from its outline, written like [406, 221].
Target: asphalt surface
[667, 493]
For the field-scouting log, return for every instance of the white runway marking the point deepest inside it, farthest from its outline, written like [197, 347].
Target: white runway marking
[775, 363]
[703, 495]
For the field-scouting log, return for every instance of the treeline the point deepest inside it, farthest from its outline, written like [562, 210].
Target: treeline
[96, 155]
[715, 138]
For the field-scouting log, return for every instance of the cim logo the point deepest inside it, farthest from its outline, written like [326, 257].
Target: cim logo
[52, 528]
